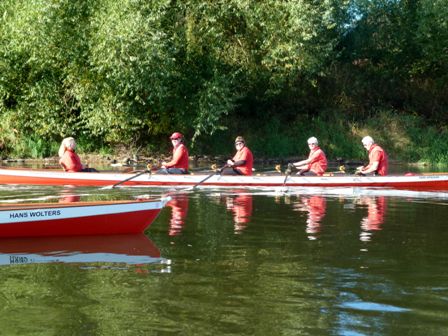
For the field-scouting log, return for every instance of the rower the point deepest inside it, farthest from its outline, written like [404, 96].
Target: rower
[179, 162]
[316, 164]
[242, 162]
[69, 160]
[378, 161]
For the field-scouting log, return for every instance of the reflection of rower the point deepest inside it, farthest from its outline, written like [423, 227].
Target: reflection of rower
[241, 207]
[179, 210]
[315, 206]
[376, 211]
[68, 196]
[130, 249]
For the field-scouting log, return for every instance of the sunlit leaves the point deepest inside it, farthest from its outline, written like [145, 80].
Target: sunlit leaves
[134, 70]
[123, 69]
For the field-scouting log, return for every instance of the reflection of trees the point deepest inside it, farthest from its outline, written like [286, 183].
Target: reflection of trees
[73, 299]
[222, 283]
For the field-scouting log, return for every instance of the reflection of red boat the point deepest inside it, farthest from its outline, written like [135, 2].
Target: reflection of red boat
[81, 218]
[130, 249]
[179, 211]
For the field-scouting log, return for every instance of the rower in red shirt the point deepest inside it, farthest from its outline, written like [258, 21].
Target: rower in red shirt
[69, 160]
[378, 161]
[316, 164]
[179, 162]
[242, 162]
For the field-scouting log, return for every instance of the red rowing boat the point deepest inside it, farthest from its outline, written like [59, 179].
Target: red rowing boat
[58, 177]
[81, 218]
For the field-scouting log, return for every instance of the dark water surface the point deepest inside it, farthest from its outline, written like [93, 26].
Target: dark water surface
[240, 262]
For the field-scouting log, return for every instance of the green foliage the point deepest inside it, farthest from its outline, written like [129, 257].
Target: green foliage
[123, 70]
[394, 55]
[404, 137]
[130, 72]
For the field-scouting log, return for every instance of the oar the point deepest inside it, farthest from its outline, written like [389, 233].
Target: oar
[128, 179]
[205, 179]
[288, 172]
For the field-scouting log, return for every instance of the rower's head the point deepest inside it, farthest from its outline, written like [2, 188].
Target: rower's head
[312, 142]
[367, 142]
[67, 143]
[239, 142]
[177, 137]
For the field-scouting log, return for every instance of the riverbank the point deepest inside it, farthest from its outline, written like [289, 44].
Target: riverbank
[405, 138]
[207, 163]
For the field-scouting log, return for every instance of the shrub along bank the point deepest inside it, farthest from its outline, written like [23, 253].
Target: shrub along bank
[405, 137]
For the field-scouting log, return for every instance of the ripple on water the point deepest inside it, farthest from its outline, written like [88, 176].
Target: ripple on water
[373, 306]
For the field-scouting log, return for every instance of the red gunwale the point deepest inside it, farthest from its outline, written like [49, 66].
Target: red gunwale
[417, 182]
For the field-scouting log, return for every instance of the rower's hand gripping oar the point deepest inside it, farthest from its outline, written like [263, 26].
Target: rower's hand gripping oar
[129, 178]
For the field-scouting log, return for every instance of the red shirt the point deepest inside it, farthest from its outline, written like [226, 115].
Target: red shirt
[180, 158]
[377, 154]
[318, 164]
[70, 161]
[246, 155]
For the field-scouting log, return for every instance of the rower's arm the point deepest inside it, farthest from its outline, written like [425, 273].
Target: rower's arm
[370, 168]
[239, 163]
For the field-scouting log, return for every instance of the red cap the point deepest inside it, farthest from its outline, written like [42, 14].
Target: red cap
[176, 135]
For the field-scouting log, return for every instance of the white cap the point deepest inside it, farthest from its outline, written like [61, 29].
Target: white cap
[367, 140]
[313, 140]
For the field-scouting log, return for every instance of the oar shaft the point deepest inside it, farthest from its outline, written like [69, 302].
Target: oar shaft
[130, 178]
[205, 179]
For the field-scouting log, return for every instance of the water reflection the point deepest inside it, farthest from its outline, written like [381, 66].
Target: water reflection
[274, 273]
[179, 210]
[376, 212]
[240, 204]
[129, 249]
[68, 195]
[315, 207]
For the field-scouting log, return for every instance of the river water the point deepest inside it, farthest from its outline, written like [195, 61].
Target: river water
[240, 262]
